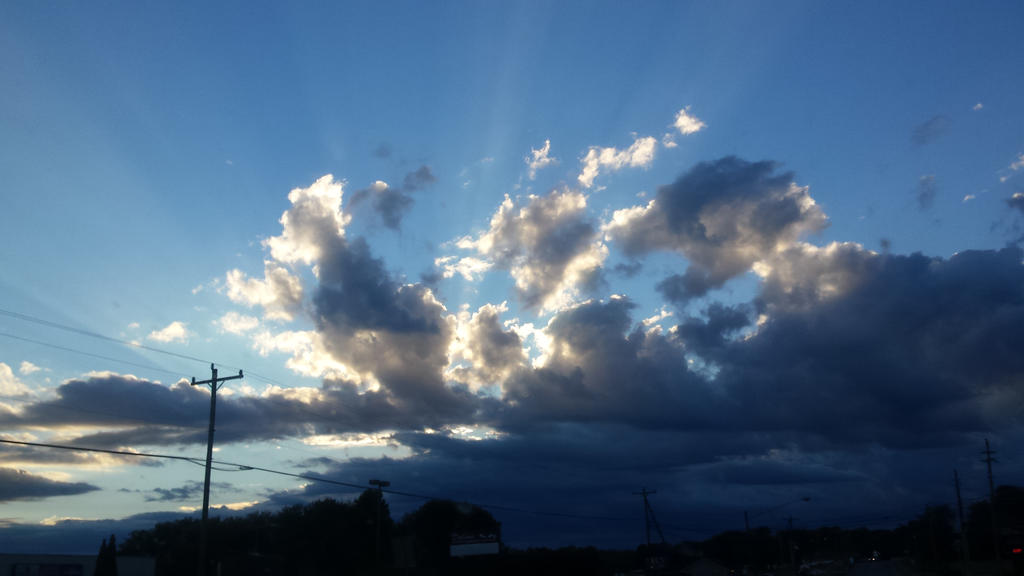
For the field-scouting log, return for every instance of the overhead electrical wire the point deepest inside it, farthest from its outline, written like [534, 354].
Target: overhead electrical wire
[97, 335]
[122, 342]
[84, 353]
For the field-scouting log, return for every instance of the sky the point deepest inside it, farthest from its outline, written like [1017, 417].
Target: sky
[537, 256]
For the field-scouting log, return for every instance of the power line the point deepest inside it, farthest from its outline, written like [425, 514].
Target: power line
[84, 353]
[127, 343]
[97, 335]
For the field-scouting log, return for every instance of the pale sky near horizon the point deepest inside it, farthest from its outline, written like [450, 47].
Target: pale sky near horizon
[538, 255]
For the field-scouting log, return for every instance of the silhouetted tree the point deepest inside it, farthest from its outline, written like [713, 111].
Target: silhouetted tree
[432, 525]
[106, 559]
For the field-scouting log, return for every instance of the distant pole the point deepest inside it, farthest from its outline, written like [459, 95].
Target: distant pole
[381, 485]
[214, 383]
[647, 518]
[988, 460]
[965, 553]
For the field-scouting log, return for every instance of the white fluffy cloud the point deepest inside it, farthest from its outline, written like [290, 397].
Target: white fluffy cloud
[639, 154]
[539, 159]
[9, 383]
[687, 123]
[548, 245]
[236, 323]
[315, 216]
[28, 368]
[173, 332]
[279, 293]
[470, 268]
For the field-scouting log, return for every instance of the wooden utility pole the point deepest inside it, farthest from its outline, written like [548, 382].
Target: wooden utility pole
[965, 551]
[649, 516]
[988, 460]
[215, 383]
[381, 485]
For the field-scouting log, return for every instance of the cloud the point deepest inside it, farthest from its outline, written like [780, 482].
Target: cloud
[1018, 163]
[419, 178]
[279, 293]
[28, 368]
[1016, 202]
[469, 268]
[173, 332]
[383, 150]
[639, 154]
[834, 316]
[723, 216]
[21, 485]
[236, 323]
[548, 244]
[600, 366]
[10, 385]
[392, 204]
[539, 159]
[484, 352]
[687, 123]
[977, 106]
[930, 130]
[968, 198]
[926, 190]
[313, 220]
[187, 491]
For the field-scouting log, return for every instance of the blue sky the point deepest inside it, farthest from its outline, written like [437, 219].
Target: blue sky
[833, 222]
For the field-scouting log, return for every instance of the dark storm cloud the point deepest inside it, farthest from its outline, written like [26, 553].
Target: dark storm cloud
[681, 288]
[930, 130]
[357, 292]
[723, 216]
[898, 350]
[392, 204]
[708, 336]
[20, 485]
[398, 332]
[926, 191]
[179, 414]
[601, 367]
[109, 398]
[78, 536]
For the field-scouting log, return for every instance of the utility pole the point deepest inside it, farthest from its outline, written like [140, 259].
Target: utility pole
[647, 519]
[215, 383]
[649, 516]
[988, 460]
[965, 552]
[381, 485]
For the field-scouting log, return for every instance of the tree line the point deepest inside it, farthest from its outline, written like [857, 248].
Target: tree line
[333, 537]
